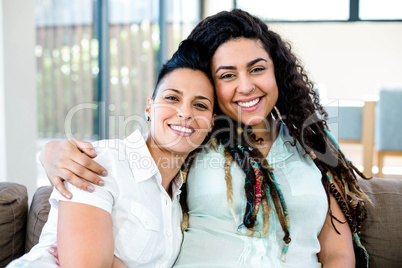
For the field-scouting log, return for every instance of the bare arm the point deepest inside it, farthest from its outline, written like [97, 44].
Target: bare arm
[71, 160]
[117, 263]
[84, 236]
[336, 249]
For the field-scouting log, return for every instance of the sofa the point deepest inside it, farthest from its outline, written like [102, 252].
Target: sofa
[20, 225]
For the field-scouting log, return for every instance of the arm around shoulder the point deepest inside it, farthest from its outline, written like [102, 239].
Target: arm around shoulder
[70, 160]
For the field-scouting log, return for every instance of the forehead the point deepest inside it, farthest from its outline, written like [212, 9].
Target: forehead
[238, 50]
[189, 82]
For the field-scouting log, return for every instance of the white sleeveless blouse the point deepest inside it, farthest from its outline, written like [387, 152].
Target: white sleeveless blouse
[214, 236]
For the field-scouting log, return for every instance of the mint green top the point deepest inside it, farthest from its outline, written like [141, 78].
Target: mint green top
[214, 236]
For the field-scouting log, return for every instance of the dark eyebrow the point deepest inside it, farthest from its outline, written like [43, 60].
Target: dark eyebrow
[226, 68]
[175, 90]
[251, 63]
[181, 93]
[203, 98]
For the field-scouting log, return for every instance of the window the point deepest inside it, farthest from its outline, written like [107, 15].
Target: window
[380, 9]
[296, 10]
[138, 32]
[323, 10]
[67, 63]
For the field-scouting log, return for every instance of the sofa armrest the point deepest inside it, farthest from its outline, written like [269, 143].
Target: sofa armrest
[381, 231]
[13, 215]
[37, 217]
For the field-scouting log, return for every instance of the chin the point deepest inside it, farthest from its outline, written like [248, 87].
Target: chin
[182, 150]
[252, 123]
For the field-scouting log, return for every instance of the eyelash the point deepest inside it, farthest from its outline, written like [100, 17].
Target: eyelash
[258, 69]
[255, 70]
[227, 76]
[171, 98]
[198, 105]
[202, 106]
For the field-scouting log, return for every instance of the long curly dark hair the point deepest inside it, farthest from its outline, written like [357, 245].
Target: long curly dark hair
[301, 112]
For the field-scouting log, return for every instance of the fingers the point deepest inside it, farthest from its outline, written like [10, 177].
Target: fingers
[85, 147]
[90, 165]
[59, 185]
[53, 251]
[65, 161]
[81, 171]
[77, 181]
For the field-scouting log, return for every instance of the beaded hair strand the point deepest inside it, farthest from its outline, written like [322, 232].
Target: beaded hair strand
[248, 158]
[183, 195]
[228, 179]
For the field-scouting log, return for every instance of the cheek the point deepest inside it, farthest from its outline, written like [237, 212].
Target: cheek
[163, 111]
[275, 92]
[273, 86]
[224, 96]
[204, 121]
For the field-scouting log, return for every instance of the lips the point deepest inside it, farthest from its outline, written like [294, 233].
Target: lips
[182, 130]
[250, 104]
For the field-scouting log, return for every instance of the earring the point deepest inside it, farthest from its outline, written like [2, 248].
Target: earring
[279, 115]
[148, 119]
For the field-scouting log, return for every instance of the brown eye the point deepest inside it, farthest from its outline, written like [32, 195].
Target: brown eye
[202, 106]
[227, 76]
[171, 98]
[257, 69]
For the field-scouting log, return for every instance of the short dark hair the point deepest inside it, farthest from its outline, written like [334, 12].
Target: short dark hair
[189, 55]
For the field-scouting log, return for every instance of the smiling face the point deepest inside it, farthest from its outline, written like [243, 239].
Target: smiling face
[182, 111]
[245, 82]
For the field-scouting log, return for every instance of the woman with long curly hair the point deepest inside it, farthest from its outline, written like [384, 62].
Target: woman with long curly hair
[272, 188]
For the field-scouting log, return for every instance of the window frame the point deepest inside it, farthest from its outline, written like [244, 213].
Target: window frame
[354, 10]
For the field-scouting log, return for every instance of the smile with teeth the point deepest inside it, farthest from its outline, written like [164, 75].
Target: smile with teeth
[248, 104]
[182, 129]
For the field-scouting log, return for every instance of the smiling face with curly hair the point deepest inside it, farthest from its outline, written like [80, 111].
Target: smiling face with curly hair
[245, 81]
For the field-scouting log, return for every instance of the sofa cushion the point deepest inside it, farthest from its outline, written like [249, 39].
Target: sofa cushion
[37, 217]
[382, 232]
[13, 215]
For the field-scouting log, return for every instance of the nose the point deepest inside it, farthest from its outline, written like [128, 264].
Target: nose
[245, 86]
[184, 112]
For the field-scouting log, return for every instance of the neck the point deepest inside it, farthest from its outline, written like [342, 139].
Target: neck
[266, 131]
[168, 163]
[265, 135]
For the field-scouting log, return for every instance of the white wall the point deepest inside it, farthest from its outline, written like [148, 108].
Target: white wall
[351, 59]
[3, 166]
[18, 122]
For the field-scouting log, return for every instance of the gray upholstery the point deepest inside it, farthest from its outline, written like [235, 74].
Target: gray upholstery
[13, 215]
[382, 232]
[37, 217]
